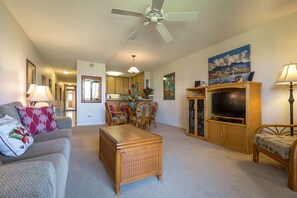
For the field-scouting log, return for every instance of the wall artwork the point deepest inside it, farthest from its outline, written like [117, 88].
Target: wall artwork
[231, 66]
[169, 87]
[31, 74]
[50, 84]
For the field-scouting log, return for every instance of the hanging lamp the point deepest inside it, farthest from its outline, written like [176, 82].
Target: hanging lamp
[133, 69]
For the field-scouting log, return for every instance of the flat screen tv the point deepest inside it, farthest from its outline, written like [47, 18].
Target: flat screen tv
[231, 104]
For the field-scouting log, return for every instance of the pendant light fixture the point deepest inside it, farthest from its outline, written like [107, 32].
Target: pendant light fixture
[133, 69]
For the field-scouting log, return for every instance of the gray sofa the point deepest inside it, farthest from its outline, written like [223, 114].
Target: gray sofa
[42, 170]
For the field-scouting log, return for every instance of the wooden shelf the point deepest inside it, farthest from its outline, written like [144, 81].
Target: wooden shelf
[229, 119]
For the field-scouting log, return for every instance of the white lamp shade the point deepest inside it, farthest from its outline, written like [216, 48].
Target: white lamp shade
[41, 93]
[31, 88]
[289, 74]
[133, 70]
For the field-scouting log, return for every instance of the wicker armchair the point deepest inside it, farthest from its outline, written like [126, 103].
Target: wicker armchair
[276, 142]
[115, 117]
[141, 117]
[153, 112]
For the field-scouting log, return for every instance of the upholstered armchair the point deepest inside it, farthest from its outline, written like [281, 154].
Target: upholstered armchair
[279, 142]
[115, 117]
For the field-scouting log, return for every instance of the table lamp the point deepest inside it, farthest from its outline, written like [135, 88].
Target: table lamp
[40, 96]
[289, 77]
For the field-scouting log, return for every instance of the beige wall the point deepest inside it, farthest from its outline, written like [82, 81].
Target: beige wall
[15, 48]
[272, 46]
[90, 113]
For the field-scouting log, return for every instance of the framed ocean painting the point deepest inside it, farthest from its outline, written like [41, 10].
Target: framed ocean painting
[231, 66]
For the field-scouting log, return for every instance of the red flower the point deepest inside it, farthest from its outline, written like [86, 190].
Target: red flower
[132, 86]
[129, 91]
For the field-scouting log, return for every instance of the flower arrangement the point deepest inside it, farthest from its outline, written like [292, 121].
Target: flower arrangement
[133, 94]
[146, 92]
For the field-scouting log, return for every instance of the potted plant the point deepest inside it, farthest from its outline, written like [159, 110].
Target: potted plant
[133, 96]
[146, 92]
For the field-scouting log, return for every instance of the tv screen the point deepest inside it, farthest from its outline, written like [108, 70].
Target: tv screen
[229, 103]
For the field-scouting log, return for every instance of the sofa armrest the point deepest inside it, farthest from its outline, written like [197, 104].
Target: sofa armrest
[28, 179]
[64, 122]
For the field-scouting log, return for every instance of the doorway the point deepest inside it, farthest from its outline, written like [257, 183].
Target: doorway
[70, 103]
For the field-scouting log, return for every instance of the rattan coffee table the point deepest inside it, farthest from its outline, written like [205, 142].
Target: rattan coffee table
[130, 153]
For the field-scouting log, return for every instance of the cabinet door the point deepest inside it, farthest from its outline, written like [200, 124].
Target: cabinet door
[191, 111]
[125, 85]
[215, 132]
[110, 84]
[234, 137]
[119, 83]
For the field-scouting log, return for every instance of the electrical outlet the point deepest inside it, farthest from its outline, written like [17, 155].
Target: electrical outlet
[90, 116]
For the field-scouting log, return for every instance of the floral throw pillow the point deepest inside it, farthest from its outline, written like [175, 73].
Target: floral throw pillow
[14, 137]
[38, 120]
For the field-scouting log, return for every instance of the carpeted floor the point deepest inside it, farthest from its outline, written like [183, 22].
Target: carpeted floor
[191, 168]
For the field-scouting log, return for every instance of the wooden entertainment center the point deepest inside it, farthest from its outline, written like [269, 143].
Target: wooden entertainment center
[231, 131]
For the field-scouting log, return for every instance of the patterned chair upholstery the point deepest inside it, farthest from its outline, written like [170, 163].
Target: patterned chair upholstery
[153, 112]
[125, 107]
[115, 117]
[142, 112]
[276, 142]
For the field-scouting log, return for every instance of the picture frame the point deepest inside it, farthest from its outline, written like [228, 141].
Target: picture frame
[60, 94]
[30, 74]
[50, 84]
[56, 91]
[231, 66]
[169, 86]
[91, 89]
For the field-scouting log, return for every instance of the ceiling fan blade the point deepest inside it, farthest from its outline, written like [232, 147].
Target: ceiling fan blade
[157, 4]
[139, 30]
[126, 12]
[161, 28]
[182, 16]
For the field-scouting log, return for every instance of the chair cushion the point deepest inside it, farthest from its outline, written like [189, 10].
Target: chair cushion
[125, 108]
[122, 117]
[111, 107]
[38, 120]
[279, 145]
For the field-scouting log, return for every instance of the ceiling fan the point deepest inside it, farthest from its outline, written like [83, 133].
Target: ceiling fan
[155, 15]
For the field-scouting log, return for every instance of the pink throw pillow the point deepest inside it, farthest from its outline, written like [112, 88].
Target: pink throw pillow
[112, 109]
[38, 120]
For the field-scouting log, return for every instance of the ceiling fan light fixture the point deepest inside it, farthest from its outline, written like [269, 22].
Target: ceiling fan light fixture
[133, 69]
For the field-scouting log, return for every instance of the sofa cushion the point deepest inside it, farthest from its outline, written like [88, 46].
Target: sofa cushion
[14, 138]
[9, 109]
[61, 145]
[30, 179]
[60, 133]
[61, 170]
[38, 120]
[279, 145]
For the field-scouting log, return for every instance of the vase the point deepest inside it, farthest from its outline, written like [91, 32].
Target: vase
[132, 105]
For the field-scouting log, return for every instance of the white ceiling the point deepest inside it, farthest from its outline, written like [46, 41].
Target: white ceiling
[68, 30]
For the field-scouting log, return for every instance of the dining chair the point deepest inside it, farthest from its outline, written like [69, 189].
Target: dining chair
[142, 112]
[115, 117]
[153, 112]
[125, 107]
